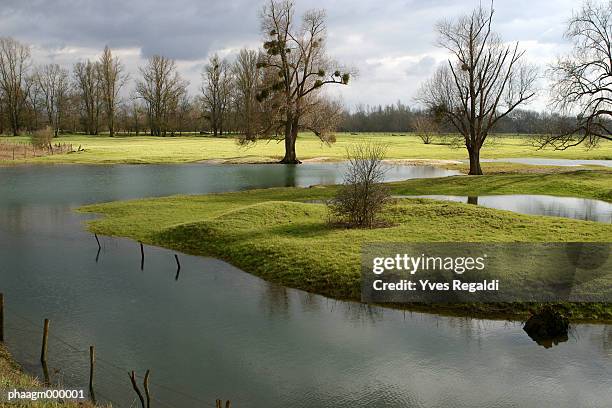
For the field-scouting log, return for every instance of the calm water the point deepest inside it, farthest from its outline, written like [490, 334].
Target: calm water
[217, 332]
[552, 162]
[567, 207]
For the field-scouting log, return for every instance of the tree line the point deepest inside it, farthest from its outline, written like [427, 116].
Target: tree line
[403, 118]
[275, 92]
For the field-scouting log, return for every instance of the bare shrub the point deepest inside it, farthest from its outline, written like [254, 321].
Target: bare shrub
[362, 196]
[42, 138]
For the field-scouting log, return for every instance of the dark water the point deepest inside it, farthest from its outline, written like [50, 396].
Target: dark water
[567, 207]
[217, 332]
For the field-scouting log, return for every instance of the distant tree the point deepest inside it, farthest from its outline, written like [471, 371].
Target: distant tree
[183, 114]
[247, 82]
[483, 82]
[583, 79]
[216, 92]
[425, 128]
[396, 117]
[88, 84]
[54, 85]
[160, 88]
[112, 79]
[136, 115]
[14, 67]
[297, 69]
[34, 101]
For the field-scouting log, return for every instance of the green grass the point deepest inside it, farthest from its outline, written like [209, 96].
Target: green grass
[181, 149]
[274, 234]
[12, 377]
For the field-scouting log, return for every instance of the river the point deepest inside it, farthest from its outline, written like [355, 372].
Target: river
[214, 331]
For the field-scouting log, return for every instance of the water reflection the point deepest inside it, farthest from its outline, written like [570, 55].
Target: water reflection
[567, 207]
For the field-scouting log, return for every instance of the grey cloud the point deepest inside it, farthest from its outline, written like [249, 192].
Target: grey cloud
[360, 31]
[422, 67]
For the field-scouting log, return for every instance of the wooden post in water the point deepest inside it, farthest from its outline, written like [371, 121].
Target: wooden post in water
[135, 386]
[92, 362]
[178, 267]
[43, 352]
[141, 256]
[146, 388]
[1, 317]
[97, 240]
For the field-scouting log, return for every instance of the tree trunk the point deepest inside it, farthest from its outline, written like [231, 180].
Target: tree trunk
[291, 132]
[474, 153]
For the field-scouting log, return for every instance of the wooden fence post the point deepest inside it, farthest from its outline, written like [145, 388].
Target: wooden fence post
[141, 257]
[146, 388]
[1, 317]
[135, 386]
[43, 352]
[92, 362]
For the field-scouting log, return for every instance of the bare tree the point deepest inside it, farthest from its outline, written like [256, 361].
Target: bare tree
[247, 82]
[362, 197]
[425, 127]
[298, 68]
[14, 66]
[216, 92]
[112, 80]
[34, 100]
[89, 87]
[482, 83]
[160, 87]
[583, 79]
[54, 85]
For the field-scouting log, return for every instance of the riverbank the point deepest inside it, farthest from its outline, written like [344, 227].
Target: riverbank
[187, 149]
[282, 236]
[11, 376]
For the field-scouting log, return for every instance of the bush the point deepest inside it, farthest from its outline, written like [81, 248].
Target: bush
[362, 196]
[42, 138]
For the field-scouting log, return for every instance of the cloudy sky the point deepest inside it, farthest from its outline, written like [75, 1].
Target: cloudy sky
[390, 42]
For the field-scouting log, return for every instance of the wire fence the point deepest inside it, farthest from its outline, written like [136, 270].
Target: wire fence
[113, 373]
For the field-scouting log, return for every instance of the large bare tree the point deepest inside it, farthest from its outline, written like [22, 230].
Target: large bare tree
[160, 87]
[14, 67]
[216, 92]
[112, 79]
[54, 85]
[583, 79]
[298, 68]
[89, 88]
[483, 81]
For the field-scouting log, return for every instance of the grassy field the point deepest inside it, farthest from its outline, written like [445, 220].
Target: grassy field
[12, 377]
[274, 234]
[181, 149]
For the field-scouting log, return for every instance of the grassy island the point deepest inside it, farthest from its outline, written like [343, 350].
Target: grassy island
[282, 234]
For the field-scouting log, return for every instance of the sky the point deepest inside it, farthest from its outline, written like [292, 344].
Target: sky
[391, 43]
